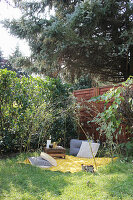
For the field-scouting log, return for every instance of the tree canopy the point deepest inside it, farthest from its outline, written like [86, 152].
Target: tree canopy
[83, 36]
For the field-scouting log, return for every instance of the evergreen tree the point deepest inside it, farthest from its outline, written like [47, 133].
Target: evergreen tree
[17, 53]
[17, 60]
[0, 57]
[84, 37]
[3, 62]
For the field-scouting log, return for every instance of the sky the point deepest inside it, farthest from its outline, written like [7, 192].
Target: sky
[8, 42]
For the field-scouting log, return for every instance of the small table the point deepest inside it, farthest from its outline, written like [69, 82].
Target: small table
[56, 152]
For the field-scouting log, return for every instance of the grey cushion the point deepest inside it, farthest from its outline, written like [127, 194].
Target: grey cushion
[39, 161]
[75, 146]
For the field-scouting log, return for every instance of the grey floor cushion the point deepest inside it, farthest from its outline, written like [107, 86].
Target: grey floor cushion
[75, 145]
[40, 162]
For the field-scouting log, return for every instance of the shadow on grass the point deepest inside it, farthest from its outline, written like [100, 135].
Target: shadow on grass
[30, 179]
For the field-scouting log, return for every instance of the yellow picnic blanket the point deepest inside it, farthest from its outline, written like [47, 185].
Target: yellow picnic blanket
[73, 164]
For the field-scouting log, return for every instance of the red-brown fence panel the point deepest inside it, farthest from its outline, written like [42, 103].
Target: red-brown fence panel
[90, 110]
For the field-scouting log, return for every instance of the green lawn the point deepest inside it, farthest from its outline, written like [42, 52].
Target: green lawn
[26, 182]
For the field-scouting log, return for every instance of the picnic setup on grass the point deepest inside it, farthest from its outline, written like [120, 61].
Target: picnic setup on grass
[80, 124]
[81, 156]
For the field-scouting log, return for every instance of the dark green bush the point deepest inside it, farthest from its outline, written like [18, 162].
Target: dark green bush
[32, 109]
[127, 148]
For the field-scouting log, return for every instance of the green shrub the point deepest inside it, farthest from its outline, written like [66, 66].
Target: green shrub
[127, 148]
[31, 109]
[118, 115]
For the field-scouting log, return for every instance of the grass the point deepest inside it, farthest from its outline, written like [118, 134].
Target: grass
[26, 182]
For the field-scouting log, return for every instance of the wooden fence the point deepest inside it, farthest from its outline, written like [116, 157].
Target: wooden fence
[90, 110]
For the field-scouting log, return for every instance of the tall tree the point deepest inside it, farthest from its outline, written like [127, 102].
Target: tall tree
[1, 57]
[3, 62]
[17, 60]
[10, 63]
[17, 53]
[90, 36]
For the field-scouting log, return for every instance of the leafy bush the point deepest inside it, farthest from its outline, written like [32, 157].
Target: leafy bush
[30, 109]
[119, 115]
[113, 117]
[127, 149]
[83, 82]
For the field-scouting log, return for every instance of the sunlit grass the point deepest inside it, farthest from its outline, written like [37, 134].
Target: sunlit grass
[26, 182]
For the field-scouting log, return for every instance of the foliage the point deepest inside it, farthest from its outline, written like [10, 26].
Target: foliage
[126, 149]
[17, 60]
[3, 62]
[1, 57]
[112, 120]
[8, 64]
[83, 82]
[112, 182]
[30, 108]
[17, 53]
[86, 36]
